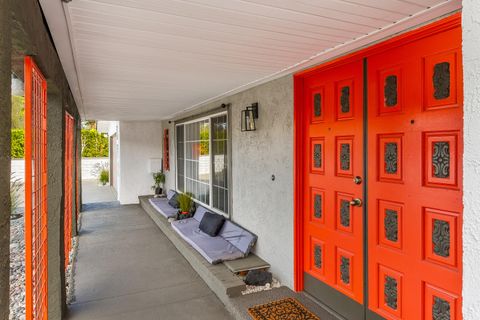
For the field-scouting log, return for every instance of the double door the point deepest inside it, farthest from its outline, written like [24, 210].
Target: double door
[382, 179]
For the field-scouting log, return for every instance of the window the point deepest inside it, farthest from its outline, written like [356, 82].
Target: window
[202, 160]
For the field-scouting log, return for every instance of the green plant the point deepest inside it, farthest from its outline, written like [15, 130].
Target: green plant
[158, 179]
[104, 176]
[15, 193]
[18, 112]
[185, 202]
[18, 143]
[94, 144]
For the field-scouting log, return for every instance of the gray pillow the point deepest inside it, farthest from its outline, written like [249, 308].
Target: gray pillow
[212, 223]
[174, 201]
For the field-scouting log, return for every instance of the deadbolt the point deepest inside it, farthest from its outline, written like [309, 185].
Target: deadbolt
[357, 180]
[356, 202]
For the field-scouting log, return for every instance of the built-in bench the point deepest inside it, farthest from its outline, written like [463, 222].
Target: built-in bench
[221, 279]
[233, 242]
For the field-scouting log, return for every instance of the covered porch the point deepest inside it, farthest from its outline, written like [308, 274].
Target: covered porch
[329, 145]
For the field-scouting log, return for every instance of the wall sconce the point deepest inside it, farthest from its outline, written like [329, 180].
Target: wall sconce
[248, 117]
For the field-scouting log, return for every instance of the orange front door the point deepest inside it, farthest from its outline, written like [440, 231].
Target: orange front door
[384, 126]
[333, 237]
[414, 179]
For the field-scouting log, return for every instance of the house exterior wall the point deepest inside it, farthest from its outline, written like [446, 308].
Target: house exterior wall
[139, 141]
[471, 160]
[269, 150]
[263, 206]
[29, 36]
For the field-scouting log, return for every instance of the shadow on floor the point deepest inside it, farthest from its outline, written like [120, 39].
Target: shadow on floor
[99, 206]
[127, 269]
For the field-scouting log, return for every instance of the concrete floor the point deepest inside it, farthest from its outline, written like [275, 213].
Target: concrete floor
[127, 269]
[92, 192]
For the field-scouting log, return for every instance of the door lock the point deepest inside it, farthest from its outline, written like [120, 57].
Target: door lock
[356, 202]
[357, 180]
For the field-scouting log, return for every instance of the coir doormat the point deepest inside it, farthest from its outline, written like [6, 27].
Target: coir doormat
[284, 309]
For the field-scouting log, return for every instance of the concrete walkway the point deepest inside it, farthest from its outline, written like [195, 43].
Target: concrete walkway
[127, 269]
[92, 192]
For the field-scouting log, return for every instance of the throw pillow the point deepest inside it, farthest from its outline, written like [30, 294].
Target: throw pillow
[211, 223]
[174, 201]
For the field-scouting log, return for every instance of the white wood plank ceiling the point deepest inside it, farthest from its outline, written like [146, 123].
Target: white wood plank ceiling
[152, 59]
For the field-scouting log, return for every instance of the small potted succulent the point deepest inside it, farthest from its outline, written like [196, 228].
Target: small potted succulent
[186, 205]
[159, 180]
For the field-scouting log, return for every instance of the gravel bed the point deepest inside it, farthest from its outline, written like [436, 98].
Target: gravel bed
[17, 269]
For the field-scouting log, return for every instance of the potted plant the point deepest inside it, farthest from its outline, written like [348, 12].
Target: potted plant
[159, 180]
[104, 176]
[185, 203]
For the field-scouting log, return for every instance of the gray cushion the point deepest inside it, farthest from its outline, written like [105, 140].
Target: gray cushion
[199, 213]
[170, 194]
[213, 249]
[162, 206]
[237, 236]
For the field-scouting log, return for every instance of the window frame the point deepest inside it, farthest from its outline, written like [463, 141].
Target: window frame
[228, 156]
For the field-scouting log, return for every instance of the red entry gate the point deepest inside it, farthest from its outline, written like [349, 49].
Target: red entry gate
[68, 201]
[35, 192]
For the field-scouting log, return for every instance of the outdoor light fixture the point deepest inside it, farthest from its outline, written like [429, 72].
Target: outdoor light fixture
[248, 117]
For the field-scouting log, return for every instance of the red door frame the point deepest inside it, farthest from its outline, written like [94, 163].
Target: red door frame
[301, 118]
[36, 220]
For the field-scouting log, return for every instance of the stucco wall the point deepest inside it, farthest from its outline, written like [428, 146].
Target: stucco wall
[139, 141]
[5, 125]
[261, 205]
[471, 183]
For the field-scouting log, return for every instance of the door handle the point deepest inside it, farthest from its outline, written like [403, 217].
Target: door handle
[356, 202]
[357, 180]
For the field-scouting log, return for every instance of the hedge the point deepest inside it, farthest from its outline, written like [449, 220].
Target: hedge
[94, 144]
[18, 143]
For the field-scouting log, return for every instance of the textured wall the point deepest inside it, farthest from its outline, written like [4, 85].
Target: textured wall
[5, 125]
[471, 183]
[261, 205]
[30, 37]
[139, 141]
[55, 178]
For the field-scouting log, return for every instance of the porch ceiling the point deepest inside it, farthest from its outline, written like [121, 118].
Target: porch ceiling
[152, 59]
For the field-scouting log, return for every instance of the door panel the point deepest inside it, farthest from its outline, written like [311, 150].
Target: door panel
[414, 180]
[413, 132]
[333, 229]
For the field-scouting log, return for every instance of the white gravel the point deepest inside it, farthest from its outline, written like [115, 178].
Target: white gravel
[70, 272]
[268, 286]
[17, 270]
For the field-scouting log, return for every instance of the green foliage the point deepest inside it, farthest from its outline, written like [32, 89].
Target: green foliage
[18, 143]
[204, 140]
[89, 125]
[15, 193]
[158, 179]
[18, 112]
[185, 202]
[104, 176]
[94, 144]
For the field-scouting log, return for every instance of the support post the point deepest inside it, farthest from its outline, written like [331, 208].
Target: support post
[5, 149]
[55, 161]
